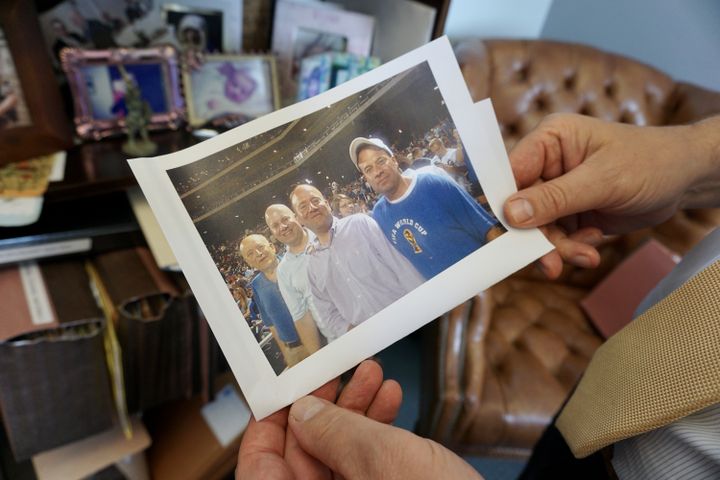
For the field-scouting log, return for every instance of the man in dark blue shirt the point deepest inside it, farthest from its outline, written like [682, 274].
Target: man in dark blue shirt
[259, 253]
[431, 220]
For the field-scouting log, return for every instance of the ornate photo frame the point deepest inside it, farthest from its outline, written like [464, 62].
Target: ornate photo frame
[97, 88]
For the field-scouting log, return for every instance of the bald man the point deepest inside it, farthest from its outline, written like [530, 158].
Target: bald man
[292, 275]
[260, 254]
[353, 271]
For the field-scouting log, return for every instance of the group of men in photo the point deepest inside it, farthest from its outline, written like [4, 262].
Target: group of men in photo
[335, 273]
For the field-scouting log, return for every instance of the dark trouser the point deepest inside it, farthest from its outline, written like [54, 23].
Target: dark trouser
[552, 459]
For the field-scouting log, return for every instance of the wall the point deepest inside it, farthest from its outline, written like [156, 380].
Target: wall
[496, 18]
[679, 38]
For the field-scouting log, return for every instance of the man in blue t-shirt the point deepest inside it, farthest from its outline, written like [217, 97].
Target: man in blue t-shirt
[260, 254]
[432, 221]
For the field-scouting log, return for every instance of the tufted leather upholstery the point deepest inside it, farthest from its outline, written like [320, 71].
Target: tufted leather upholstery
[529, 79]
[502, 363]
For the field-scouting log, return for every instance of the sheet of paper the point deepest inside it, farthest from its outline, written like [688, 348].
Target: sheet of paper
[57, 174]
[87, 456]
[151, 231]
[17, 212]
[227, 415]
[400, 264]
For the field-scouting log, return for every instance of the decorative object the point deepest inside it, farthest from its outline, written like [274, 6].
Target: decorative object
[326, 70]
[401, 25]
[137, 118]
[104, 24]
[207, 26]
[99, 91]
[302, 29]
[32, 121]
[231, 87]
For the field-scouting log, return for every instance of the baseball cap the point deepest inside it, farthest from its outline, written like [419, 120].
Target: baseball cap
[362, 141]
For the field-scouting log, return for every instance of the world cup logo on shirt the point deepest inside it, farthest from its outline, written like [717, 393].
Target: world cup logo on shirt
[411, 240]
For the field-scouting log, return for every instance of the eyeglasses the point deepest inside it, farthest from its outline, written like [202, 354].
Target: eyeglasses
[304, 207]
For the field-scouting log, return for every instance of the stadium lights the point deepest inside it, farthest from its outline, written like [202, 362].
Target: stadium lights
[399, 130]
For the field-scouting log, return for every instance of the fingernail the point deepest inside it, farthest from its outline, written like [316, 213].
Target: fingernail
[581, 261]
[520, 210]
[306, 408]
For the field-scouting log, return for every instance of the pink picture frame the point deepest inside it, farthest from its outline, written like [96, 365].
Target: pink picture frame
[98, 90]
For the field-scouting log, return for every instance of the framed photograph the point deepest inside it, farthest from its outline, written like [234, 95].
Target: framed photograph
[104, 24]
[98, 87]
[302, 29]
[231, 86]
[195, 28]
[271, 222]
[32, 120]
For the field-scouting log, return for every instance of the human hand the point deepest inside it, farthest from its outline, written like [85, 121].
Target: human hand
[582, 177]
[269, 450]
[354, 446]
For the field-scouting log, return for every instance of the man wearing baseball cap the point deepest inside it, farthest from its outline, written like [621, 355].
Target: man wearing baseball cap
[432, 221]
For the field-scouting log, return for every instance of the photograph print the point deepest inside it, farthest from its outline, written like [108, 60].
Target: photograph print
[13, 110]
[231, 86]
[322, 222]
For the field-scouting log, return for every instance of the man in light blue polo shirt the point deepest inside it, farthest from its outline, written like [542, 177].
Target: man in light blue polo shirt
[292, 273]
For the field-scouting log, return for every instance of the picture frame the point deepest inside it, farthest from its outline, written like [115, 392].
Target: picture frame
[227, 86]
[225, 15]
[98, 90]
[106, 24]
[306, 28]
[47, 129]
[219, 201]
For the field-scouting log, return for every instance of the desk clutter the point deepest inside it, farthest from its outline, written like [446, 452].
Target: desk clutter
[107, 366]
[106, 362]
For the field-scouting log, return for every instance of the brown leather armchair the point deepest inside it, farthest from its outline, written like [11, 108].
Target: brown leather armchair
[498, 367]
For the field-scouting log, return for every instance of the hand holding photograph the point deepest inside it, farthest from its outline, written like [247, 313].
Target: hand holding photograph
[317, 235]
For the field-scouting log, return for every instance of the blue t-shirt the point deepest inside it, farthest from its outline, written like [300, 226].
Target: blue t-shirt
[273, 312]
[435, 224]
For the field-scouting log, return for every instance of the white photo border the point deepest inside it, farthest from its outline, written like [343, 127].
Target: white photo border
[267, 392]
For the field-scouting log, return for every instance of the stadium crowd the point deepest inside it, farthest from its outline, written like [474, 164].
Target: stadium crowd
[252, 265]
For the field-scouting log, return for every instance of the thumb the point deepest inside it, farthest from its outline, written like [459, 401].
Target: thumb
[574, 192]
[358, 447]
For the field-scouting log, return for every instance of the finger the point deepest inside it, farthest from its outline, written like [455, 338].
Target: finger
[302, 464]
[577, 249]
[386, 404]
[360, 391]
[543, 203]
[590, 235]
[357, 447]
[262, 448]
[551, 265]
[329, 390]
[530, 154]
